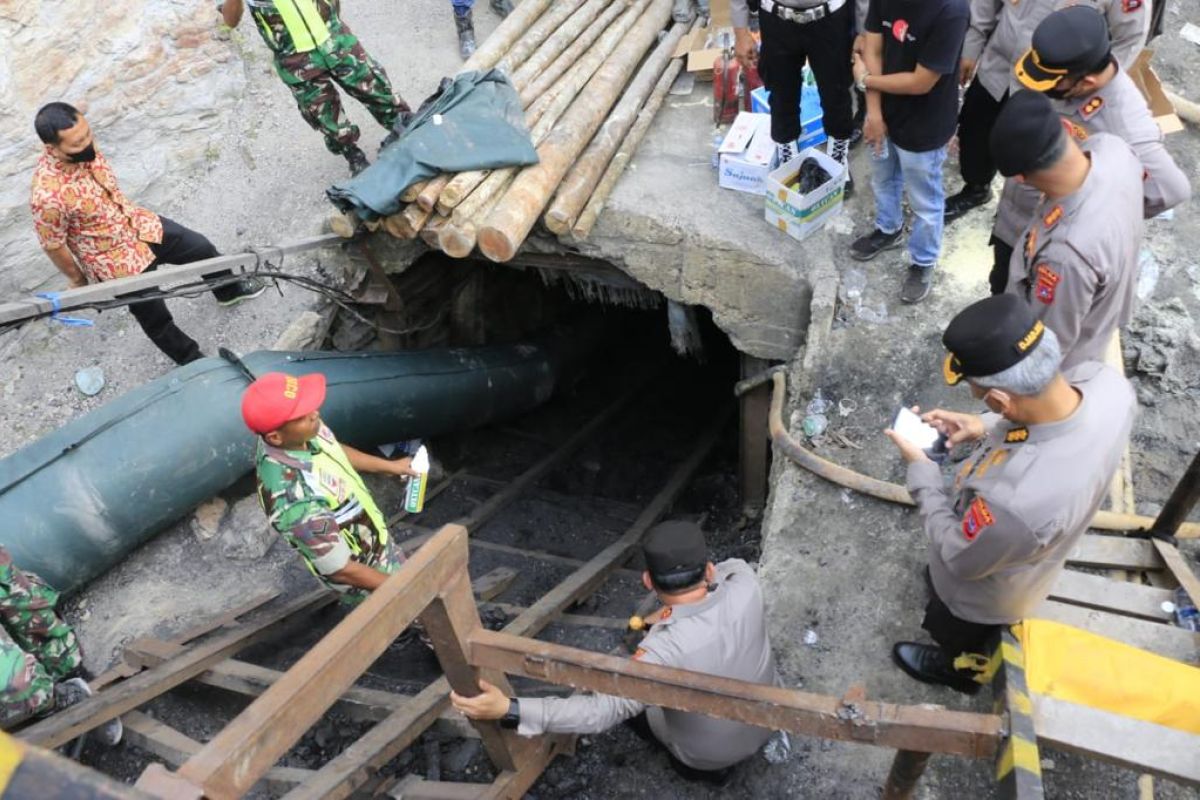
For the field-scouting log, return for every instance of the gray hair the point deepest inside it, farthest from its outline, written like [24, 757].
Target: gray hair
[1031, 375]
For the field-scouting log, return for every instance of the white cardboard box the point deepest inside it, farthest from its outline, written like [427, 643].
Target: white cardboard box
[801, 215]
[745, 154]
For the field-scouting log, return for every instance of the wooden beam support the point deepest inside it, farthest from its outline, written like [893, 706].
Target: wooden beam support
[916, 728]
[248, 746]
[1164, 639]
[754, 446]
[1106, 594]
[1114, 552]
[128, 695]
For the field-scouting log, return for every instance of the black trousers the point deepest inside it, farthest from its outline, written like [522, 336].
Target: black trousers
[975, 121]
[641, 727]
[180, 245]
[1001, 256]
[825, 43]
[953, 634]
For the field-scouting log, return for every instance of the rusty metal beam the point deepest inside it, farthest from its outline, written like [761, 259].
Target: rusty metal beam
[128, 695]
[246, 748]
[916, 728]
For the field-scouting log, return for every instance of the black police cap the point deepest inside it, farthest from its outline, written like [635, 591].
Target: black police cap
[1070, 42]
[990, 336]
[1026, 130]
[674, 547]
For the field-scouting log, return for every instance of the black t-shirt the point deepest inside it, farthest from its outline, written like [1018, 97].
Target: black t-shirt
[929, 33]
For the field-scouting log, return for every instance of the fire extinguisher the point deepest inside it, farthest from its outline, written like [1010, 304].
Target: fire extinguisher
[726, 88]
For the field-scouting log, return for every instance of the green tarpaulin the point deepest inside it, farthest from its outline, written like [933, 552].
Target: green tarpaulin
[475, 121]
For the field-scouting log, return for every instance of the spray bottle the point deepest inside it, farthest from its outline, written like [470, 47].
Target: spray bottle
[414, 495]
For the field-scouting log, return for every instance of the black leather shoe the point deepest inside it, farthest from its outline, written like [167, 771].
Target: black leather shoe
[930, 664]
[867, 247]
[969, 197]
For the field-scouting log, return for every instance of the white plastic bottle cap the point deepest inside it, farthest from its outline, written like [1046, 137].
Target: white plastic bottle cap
[1168, 607]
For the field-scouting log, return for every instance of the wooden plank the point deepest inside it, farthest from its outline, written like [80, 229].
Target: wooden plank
[1116, 552]
[917, 728]
[251, 680]
[225, 619]
[1109, 737]
[1166, 640]
[587, 578]
[174, 747]
[165, 275]
[1178, 567]
[493, 584]
[581, 620]
[1105, 594]
[128, 695]
[247, 747]
[421, 789]
[411, 544]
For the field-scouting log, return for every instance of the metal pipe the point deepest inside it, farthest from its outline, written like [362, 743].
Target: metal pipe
[907, 769]
[835, 473]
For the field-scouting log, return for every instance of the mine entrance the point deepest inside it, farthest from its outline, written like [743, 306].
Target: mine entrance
[636, 431]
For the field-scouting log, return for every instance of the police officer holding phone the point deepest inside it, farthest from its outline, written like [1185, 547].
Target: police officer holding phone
[1045, 455]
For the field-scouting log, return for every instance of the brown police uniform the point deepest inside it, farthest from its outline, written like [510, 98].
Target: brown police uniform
[1117, 108]
[1020, 503]
[1076, 260]
[725, 635]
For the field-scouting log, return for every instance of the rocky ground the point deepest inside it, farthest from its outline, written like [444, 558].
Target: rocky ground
[842, 567]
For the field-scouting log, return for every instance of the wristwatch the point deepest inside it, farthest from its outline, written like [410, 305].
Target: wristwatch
[512, 718]
[861, 83]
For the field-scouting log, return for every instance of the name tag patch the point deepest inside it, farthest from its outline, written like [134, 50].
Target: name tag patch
[978, 517]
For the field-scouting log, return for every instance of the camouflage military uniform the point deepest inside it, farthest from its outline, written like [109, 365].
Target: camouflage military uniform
[314, 74]
[319, 504]
[37, 649]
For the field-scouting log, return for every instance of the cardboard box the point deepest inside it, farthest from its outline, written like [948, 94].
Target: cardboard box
[746, 153]
[801, 215]
[702, 46]
[1147, 81]
[812, 129]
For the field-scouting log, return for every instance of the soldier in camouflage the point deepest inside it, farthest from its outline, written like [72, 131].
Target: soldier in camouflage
[311, 490]
[40, 659]
[315, 52]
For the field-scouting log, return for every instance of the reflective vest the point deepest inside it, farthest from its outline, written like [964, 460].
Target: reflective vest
[303, 21]
[331, 477]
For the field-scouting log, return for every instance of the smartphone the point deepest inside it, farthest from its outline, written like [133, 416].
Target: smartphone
[910, 426]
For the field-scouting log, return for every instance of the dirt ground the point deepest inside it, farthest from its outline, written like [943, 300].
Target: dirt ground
[843, 567]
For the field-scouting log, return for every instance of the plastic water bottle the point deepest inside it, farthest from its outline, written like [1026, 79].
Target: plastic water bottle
[414, 495]
[716, 147]
[1186, 615]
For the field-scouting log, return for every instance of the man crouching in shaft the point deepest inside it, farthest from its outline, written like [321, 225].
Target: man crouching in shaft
[1020, 503]
[713, 621]
[309, 486]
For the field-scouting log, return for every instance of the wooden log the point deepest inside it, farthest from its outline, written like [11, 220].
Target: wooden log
[428, 197]
[511, 220]
[579, 182]
[551, 105]
[587, 219]
[431, 230]
[395, 223]
[413, 192]
[559, 41]
[506, 35]
[411, 220]
[483, 200]
[531, 41]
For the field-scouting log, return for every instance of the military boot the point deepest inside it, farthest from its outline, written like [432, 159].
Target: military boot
[502, 7]
[357, 159]
[466, 34]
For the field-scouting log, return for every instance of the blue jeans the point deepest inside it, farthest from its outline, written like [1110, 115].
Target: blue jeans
[462, 6]
[921, 174]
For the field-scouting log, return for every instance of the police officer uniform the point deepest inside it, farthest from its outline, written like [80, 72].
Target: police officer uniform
[793, 31]
[724, 634]
[1001, 30]
[1077, 260]
[1071, 44]
[999, 536]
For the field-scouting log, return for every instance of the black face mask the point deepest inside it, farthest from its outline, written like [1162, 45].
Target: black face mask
[84, 156]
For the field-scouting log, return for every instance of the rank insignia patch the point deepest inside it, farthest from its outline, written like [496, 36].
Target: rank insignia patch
[1051, 219]
[1130, 6]
[1016, 435]
[978, 517]
[1047, 283]
[1092, 106]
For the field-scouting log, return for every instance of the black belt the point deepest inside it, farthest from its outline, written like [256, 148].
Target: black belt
[801, 16]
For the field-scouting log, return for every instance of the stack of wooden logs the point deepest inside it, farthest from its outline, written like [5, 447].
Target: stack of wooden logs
[575, 65]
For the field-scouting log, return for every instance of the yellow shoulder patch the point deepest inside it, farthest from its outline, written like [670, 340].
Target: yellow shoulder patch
[1016, 435]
